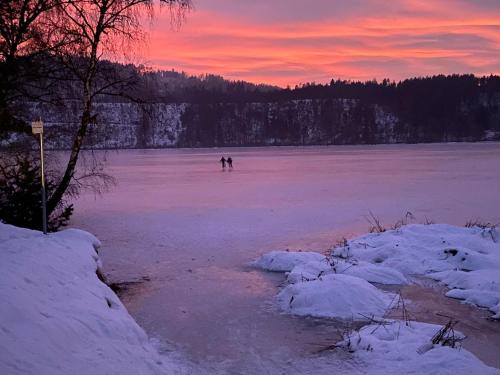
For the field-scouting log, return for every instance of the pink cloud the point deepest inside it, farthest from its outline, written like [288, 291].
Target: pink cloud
[364, 40]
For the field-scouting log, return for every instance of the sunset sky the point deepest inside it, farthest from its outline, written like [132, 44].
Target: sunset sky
[288, 42]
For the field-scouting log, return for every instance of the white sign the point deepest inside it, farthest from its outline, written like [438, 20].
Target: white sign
[37, 127]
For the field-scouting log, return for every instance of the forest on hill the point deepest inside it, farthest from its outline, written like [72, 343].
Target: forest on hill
[173, 109]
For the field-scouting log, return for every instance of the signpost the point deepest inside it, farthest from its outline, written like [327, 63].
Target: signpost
[37, 128]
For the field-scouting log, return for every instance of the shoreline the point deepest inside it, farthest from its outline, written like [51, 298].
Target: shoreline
[86, 245]
[59, 317]
[278, 147]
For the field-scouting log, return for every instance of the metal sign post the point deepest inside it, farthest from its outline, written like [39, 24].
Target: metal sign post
[37, 128]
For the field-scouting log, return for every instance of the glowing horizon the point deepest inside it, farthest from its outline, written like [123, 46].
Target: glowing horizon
[288, 42]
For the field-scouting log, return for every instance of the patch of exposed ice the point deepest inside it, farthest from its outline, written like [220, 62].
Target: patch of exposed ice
[480, 287]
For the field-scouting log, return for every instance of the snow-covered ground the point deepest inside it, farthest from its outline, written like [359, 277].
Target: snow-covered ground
[57, 317]
[340, 286]
[398, 348]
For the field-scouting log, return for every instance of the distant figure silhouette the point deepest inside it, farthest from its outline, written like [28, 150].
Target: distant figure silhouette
[230, 162]
[223, 162]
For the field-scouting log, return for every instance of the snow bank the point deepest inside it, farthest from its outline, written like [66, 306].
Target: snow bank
[465, 259]
[396, 348]
[57, 317]
[327, 287]
[282, 261]
[421, 249]
[308, 271]
[370, 272]
[335, 296]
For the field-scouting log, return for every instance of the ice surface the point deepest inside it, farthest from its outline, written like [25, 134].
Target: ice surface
[480, 287]
[176, 218]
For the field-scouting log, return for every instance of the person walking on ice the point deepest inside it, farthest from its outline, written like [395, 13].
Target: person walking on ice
[223, 162]
[230, 162]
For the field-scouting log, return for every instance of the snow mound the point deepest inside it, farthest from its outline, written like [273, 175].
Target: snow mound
[370, 272]
[465, 259]
[421, 249]
[335, 296]
[308, 271]
[283, 261]
[397, 348]
[57, 317]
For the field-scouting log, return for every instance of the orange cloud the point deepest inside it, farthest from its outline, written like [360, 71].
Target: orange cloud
[411, 38]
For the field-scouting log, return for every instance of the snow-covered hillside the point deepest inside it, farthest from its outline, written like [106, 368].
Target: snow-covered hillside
[323, 121]
[117, 125]
[57, 317]
[294, 122]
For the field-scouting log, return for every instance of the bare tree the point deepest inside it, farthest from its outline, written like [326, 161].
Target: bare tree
[98, 28]
[46, 42]
[23, 39]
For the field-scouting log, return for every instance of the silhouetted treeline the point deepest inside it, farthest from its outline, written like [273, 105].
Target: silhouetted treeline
[211, 111]
[438, 108]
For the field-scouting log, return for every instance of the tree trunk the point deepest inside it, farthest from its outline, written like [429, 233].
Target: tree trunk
[58, 194]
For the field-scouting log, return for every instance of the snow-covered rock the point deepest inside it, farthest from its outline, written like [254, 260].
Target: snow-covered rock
[421, 249]
[370, 272]
[397, 348]
[57, 317]
[465, 259]
[283, 261]
[335, 296]
[373, 273]
[309, 271]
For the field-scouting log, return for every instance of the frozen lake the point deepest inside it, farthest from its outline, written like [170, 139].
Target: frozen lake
[191, 229]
